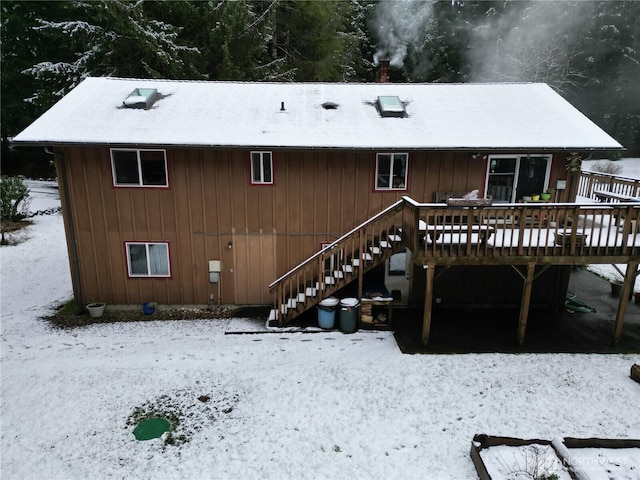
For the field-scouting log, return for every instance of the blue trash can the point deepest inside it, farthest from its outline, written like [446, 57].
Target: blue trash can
[349, 313]
[327, 312]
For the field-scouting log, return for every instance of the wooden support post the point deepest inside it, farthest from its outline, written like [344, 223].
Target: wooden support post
[526, 300]
[361, 243]
[428, 299]
[629, 280]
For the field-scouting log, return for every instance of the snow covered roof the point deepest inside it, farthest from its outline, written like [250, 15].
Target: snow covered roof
[291, 115]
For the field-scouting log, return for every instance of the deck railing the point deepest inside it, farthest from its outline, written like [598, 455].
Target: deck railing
[546, 233]
[592, 182]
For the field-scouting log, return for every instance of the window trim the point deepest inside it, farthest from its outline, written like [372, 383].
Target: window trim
[140, 183]
[391, 188]
[127, 244]
[252, 180]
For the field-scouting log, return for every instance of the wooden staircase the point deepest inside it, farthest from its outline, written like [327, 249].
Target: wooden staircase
[342, 262]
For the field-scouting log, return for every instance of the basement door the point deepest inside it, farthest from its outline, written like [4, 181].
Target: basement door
[254, 268]
[397, 275]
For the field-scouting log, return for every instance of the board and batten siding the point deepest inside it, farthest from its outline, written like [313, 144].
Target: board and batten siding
[211, 211]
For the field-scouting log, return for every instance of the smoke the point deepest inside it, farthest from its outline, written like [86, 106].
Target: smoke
[400, 26]
[535, 41]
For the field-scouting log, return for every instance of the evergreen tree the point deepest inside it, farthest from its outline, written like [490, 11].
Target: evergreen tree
[114, 38]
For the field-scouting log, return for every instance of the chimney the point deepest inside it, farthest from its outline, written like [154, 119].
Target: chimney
[382, 75]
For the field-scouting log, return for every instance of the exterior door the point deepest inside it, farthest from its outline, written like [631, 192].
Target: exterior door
[253, 268]
[511, 177]
[397, 275]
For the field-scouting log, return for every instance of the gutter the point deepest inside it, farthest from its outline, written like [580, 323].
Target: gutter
[431, 148]
[71, 231]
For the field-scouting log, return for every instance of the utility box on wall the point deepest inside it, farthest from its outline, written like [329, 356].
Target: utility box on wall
[214, 271]
[215, 267]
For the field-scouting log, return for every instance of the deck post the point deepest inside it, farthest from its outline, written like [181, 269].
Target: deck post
[428, 299]
[526, 300]
[629, 279]
[361, 263]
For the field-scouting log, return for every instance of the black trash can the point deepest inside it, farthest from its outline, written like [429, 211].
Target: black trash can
[349, 314]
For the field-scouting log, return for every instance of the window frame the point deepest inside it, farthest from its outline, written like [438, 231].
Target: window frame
[127, 249]
[391, 188]
[140, 183]
[252, 178]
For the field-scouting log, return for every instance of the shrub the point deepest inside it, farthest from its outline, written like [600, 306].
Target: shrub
[607, 166]
[14, 199]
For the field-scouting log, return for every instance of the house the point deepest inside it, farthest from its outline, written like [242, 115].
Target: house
[186, 192]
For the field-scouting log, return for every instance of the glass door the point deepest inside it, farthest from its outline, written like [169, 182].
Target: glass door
[501, 178]
[511, 177]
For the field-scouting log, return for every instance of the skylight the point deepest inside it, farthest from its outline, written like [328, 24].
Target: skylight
[391, 106]
[140, 98]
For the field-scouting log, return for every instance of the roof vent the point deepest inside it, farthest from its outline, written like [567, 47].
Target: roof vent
[330, 106]
[140, 98]
[390, 106]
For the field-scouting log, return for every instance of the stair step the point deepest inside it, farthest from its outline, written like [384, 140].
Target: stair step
[385, 244]
[273, 315]
[365, 256]
[347, 268]
[284, 309]
[375, 250]
[338, 274]
[394, 238]
[311, 292]
[292, 303]
[329, 280]
[301, 298]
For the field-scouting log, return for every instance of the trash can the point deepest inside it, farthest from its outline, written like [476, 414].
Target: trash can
[349, 310]
[327, 312]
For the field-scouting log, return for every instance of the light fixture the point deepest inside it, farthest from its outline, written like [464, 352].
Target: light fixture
[229, 245]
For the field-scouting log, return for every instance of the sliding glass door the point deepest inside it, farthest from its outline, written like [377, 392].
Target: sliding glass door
[512, 177]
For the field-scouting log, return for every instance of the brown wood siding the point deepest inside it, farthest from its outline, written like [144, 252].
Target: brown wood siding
[317, 196]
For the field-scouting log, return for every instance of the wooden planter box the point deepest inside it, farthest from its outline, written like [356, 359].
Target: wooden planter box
[482, 441]
[463, 202]
[561, 447]
[564, 238]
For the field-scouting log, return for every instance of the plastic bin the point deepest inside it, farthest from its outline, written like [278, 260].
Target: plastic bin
[327, 312]
[349, 313]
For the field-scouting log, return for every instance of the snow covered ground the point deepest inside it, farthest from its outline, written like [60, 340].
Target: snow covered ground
[272, 406]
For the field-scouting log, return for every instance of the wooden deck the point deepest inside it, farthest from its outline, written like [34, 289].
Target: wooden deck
[523, 236]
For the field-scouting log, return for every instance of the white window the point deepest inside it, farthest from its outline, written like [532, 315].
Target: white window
[512, 177]
[148, 259]
[391, 171]
[261, 168]
[139, 168]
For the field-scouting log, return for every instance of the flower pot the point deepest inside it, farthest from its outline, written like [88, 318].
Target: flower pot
[545, 197]
[616, 289]
[96, 310]
[148, 308]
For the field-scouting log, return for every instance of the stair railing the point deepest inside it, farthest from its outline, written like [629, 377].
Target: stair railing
[337, 264]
